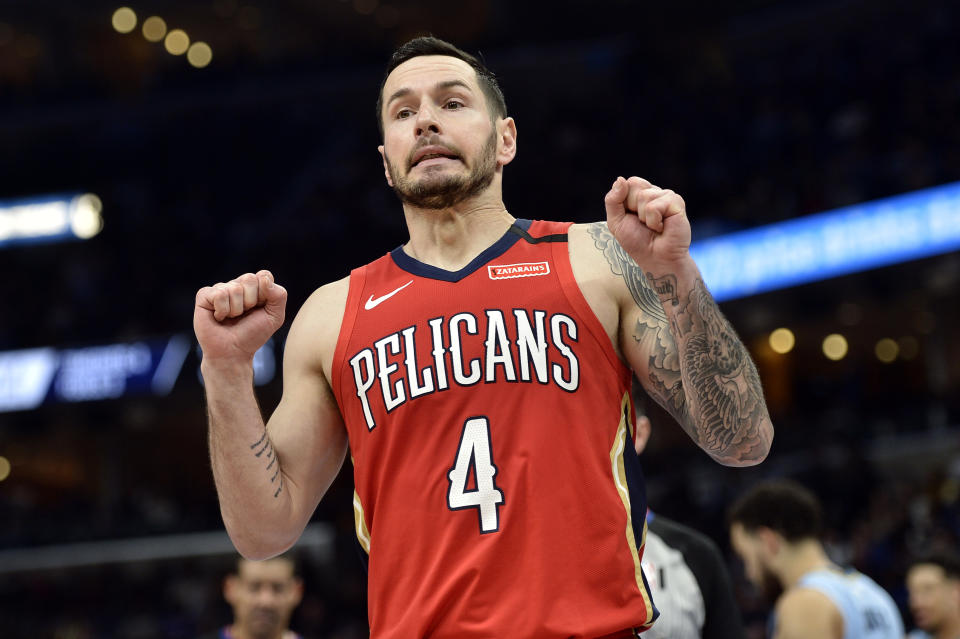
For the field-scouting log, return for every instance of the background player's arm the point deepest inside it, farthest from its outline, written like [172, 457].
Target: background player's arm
[671, 331]
[802, 613]
[270, 477]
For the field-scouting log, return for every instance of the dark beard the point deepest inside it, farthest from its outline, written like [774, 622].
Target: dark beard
[448, 191]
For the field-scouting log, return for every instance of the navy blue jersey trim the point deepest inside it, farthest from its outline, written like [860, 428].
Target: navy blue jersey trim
[556, 237]
[364, 557]
[636, 485]
[501, 246]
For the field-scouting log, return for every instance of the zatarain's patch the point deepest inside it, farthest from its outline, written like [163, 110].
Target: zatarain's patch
[525, 269]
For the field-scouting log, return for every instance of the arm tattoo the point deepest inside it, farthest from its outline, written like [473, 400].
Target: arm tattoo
[257, 443]
[665, 287]
[730, 410]
[264, 445]
[623, 265]
[698, 369]
[652, 332]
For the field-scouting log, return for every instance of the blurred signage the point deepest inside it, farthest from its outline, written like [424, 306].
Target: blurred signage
[25, 377]
[52, 218]
[816, 247]
[30, 378]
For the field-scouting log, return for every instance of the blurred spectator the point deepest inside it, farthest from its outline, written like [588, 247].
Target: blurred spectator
[263, 595]
[933, 582]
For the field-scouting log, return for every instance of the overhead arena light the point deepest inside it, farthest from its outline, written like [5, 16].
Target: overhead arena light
[54, 218]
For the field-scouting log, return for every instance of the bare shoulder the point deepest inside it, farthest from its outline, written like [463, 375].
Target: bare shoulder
[598, 260]
[602, 287]
[316, 328]
[590, 246]
[616, 289]
[328, 300]
[805, 600]
[805, 612]
[596, 251]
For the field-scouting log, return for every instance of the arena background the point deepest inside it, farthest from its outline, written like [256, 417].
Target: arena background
[757, 112]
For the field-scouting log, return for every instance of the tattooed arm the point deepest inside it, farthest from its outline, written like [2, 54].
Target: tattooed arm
[687, 355]
[270, 477]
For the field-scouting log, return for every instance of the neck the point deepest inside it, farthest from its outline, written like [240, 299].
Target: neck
[798, 559]
[949, 630]
[450, 238]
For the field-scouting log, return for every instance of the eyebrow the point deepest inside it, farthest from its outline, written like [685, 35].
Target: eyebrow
[440, 86]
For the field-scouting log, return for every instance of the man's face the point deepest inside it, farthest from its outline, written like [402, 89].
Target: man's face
[440, 144]
[263, 595]
[934, 598]
[750, 548]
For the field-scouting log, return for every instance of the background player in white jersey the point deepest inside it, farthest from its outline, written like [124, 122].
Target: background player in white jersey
[687, 575]
[775, 529]
[933, 582]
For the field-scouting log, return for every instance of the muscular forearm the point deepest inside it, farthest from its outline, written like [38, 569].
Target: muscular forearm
[722, 408]
[254, 496]
[688, 357]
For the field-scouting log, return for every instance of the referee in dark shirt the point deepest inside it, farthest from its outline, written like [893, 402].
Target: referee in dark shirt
[687, 576]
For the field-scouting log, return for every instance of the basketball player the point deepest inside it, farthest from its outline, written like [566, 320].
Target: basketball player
[263, 595]
[687, 576]
[481, 374]
[775, 529]
[933, 582]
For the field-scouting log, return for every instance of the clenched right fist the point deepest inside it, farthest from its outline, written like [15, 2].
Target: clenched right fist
[233, 319]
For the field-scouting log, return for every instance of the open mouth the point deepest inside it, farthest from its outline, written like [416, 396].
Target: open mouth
[433, 157]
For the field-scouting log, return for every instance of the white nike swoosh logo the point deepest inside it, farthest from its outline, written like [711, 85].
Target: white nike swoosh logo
[374, 301]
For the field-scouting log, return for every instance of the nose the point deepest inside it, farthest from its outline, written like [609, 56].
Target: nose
[428, 121]
[266, 597]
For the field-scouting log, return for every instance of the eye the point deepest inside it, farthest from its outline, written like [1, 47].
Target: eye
[453, 105]
[403, 114]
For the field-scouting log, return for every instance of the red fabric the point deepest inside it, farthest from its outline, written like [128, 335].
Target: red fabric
[558, 563]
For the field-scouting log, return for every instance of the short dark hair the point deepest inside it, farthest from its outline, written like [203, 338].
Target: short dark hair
[948, 561]
[429, 45]
[783, 506]
[291, 557]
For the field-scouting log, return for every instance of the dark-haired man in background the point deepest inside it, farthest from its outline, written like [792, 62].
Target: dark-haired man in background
[263, 596]
[775, 529]
[481, 373]
[933, 582]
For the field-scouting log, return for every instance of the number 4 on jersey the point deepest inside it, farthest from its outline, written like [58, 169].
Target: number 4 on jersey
[474, 452]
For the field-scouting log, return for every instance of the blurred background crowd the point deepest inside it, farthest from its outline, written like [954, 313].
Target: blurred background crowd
[264, 156]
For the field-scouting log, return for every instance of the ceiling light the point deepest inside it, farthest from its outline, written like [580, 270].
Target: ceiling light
[177, 42]
[154, 28]
[835, 346]
[782, 340]
[199, 54]
[886, 350]
[124, 20]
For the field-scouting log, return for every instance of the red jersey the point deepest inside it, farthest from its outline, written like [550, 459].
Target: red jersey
[490, 423]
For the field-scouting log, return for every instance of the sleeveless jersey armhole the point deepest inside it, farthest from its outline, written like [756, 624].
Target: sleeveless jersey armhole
[357, 279]
[561, 257]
